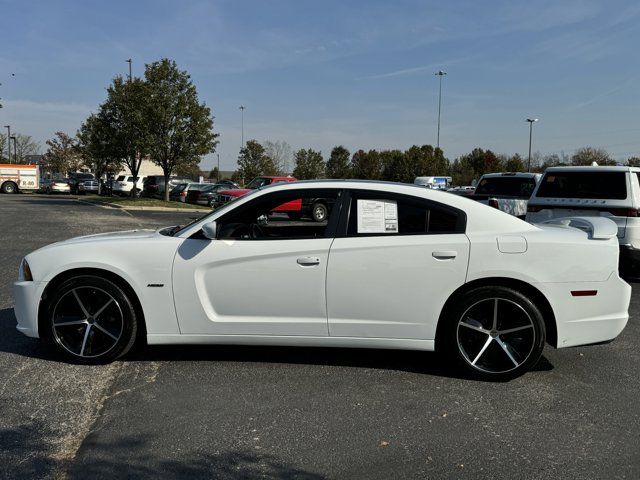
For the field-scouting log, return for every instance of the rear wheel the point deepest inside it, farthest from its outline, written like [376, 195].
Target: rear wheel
[9, 187]
[319, 212]
[90, 320]
[495, 333]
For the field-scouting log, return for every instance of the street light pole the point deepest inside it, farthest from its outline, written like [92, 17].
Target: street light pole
[242, 107]
[439, 74]
[8, 127]
[129, 62]
[531, 122]
[218, 177]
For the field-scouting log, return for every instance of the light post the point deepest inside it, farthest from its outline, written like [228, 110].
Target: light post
[218, 176]
[531, 122]
[15, 150]
[242, 107]
[439, 74]
[129, 62]
[8, 127]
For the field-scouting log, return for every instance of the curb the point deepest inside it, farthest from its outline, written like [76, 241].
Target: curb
[142, 208]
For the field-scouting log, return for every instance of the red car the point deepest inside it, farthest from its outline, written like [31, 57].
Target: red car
[318, 209]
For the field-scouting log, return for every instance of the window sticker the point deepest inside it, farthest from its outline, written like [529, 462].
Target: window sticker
[377, 216]
[550, 178]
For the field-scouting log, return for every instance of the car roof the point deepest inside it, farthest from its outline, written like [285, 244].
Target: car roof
[603, 168]
[511, 174]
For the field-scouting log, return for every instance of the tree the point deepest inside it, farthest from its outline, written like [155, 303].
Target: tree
[309, 164]
[95, 149]
[3, 149]
[588, 155]
[180, 128]
[338, 163]
[280, 152]
[366, 165]
[63, 155]
[24, 145]
[633, 161]
[514, 164]
[253, 162]
[125, 123]
[214, 173]
[397, 167]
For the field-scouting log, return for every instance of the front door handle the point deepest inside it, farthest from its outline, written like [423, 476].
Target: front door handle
[445, 255]
[308, 261]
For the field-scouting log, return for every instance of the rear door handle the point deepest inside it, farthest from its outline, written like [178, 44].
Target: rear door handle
[308, 261]
[445, 255]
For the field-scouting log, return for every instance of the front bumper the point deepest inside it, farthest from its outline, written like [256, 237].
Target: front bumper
[27, 298]
[629, 262]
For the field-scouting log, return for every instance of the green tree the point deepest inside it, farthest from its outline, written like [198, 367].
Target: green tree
[633, 161]
[338, 163]
[125, 120]
[253, 162]
[396, 166]
[63, 155]
[180, 128]
[366, 165]
[309, 164]
[214, 173]
[588, 155]
[514, 164]
[95, 149]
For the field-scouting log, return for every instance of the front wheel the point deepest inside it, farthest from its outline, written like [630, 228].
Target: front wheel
[495, 333]
[89, 320]
[9, 187]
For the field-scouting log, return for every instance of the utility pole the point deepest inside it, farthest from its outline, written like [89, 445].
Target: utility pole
[439, 74]
[129, 62]
[242, 107]
[218, 177]
[531, 122]
[15, 150]
[8, 127]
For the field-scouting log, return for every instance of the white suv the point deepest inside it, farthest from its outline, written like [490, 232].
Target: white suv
[611, 192]
[123, 184]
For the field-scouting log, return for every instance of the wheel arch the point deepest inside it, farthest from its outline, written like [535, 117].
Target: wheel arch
[523, 287]
[103, 273]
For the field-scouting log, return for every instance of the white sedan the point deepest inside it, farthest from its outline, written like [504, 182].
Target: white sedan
[394, 266]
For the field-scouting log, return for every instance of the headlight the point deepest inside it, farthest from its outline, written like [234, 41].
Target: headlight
[24, 274]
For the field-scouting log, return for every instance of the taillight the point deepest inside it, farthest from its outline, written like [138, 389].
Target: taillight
[623, 212]
[183, 194]
[533, 208]
[493, 203]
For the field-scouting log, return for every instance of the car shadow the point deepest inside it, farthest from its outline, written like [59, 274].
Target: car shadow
[429, 363]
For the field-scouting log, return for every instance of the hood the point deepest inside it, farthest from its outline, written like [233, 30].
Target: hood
[235, 192]
[125, 235]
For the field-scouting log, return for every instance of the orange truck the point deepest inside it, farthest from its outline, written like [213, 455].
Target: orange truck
[15, 178]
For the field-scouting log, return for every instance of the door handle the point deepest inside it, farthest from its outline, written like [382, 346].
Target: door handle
[445, 255]
[308, 261]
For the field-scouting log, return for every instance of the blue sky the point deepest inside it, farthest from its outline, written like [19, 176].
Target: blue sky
[361, 73]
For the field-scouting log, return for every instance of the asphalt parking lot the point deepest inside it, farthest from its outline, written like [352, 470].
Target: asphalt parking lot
[240, 412]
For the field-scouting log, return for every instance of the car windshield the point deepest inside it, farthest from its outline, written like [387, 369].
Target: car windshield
[597, 185]
[507, 186]
[83, 176]
[258, 182]
[179, 188]
[121, 178]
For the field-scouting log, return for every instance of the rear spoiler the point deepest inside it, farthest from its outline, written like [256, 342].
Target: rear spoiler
[598, 228]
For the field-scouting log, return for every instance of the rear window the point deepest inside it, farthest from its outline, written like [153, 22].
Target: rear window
[507, 186]
[120, 178]
[598, 185]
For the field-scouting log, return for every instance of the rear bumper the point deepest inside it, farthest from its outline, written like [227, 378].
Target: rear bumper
[629, 262]
[26, 299]
[583, 320]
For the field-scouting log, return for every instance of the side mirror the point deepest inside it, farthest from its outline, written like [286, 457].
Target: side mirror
[209, 230]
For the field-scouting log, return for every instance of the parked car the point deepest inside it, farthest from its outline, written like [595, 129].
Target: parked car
[228, 183]
[206, 195]
[154, 185]
[76, 178]
[438, 183]
[226, 196]
[55, 185]
[464, 190]
[180, 191]
[508, 192]
[88, 186]
[396, 266]
[609, 192]
[123, 185]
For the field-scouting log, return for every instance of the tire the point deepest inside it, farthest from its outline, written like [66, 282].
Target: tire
[107, 333]
[9, 187]
[479, 333]
[319, 212]
[48, 191]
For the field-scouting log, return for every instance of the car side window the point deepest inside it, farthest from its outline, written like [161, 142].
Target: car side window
[284, 215]
[383, 214]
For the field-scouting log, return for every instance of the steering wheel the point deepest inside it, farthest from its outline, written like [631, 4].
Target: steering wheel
[255, 231]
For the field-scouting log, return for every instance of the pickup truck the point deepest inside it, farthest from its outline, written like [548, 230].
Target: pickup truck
[508, 192]
[318, 209]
